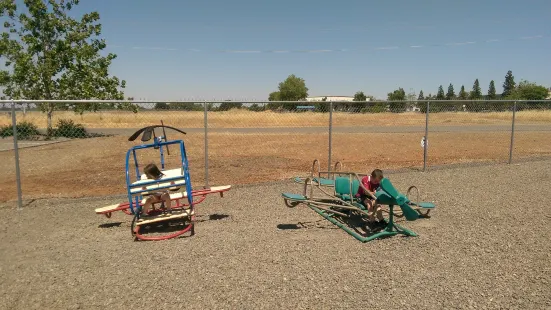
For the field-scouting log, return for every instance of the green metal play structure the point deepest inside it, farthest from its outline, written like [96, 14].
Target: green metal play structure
[341, 203]
[317, 178]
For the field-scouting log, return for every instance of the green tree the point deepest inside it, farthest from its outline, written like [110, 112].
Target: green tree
[440, 95]
[256, 108]
[188, 106]
[451, 93]
[161, 106]
[492, 90]
[421, 102]
[49, 55]
[528, 91]
[293, 89]
[360, 102]
[509, 84]
[397, 95]
[463, 94]
[274, 96]
[228, 105]
[360, 96]
[476, 93]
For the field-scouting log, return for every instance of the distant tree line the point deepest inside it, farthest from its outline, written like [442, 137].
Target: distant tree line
[294, 88]
[525, 90]
[189, 106]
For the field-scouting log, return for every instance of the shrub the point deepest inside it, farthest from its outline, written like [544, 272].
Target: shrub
[25, 130]
[68, 129]
[256, 108]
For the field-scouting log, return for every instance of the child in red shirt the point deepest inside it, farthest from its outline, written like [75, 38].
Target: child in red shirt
[371, 183]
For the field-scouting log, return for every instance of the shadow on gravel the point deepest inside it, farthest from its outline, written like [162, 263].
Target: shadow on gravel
[288, 226]
[354, 223]
[359, 225]
[365, 229]
[165, 227]
[109, 225]
[303, 225]
[169, 227]
[214, 217]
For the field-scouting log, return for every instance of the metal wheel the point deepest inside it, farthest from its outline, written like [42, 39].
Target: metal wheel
[187, 225]
[312, 174]
[416, 201]
[133, 227]
[291, 204]
[409, 193]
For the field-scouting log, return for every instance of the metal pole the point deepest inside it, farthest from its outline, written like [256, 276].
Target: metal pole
[206, 150]
[512, 133]
[425, 146]
[330, 135]
[16, 149]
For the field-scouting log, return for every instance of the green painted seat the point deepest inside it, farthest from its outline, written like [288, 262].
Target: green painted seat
[324, 181]
[293, 196]
[426, 205]
[342, 188]
[321, 181]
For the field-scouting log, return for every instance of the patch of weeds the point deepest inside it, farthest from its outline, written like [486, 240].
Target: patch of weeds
[68, 129]
[25, 131]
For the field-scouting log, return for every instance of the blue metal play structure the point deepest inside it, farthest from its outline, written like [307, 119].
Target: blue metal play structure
[135, 189]
[139, 188]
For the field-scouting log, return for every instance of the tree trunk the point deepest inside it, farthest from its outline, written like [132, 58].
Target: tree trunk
[50, 114]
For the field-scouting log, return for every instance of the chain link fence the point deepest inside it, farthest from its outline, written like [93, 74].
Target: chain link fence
[78, 148]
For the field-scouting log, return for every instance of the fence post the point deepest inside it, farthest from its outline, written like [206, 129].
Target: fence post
[206, 148]
[512, 133]
[330, 135]
[425, 145]
[16, 150]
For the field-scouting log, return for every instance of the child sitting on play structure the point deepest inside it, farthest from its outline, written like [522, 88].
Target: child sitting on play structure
[371, 183]
[153, 172]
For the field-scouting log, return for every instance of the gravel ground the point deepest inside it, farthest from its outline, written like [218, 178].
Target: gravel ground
[486, 246]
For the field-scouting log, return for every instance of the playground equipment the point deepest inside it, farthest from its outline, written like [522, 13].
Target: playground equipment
[316, 177]
[173, 179]
[343, 203]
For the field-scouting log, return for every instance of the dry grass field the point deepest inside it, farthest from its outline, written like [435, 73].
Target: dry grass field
[245, 118]
[96, 166]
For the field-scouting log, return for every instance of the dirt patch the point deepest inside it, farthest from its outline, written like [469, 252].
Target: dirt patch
[96, 166]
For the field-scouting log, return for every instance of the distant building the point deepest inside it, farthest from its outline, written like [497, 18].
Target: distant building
[548, 93]
[332, 98]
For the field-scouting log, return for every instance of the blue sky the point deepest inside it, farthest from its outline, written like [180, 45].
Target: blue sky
[193, 39]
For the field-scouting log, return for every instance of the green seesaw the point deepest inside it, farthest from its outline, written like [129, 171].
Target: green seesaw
[342, 203]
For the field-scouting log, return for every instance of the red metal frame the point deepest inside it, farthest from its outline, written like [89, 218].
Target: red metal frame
[189, 227]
